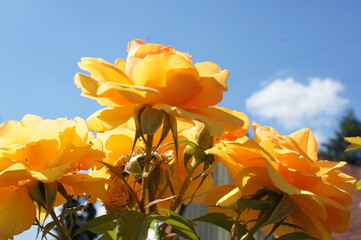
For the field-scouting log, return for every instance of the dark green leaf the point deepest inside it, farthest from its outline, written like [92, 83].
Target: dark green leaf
[109, 235]
[178, 218]
[48, 228]
[255, 204]
[138, 226]
[149, 229]
[296, 236]
[180, 225]
[219, 219]
[99, 225]
[284, 208]
[128, 225]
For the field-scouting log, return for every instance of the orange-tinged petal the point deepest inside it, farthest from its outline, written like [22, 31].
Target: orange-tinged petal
[172, 75]
[230, 198]
[104, 71]
[89, 87]
[17, 211]
[111, 140]
[138, 49]
[251, 179]
[229, 120]
[213, 196]
[307, 142]
[15, 133]
[49, 175]
[213, 125]
[130, 93]
[83, 158]
[209, 69]
[109, 118]
[13, 174]
[86, 186]
[40, 153]
[120, 63]
[213, 82]
[232, 135]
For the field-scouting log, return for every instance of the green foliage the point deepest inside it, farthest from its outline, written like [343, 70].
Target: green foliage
[219, 219]
[296, 236]
[182, 226]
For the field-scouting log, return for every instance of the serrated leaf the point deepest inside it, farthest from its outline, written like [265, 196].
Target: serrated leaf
[99, 225]
[355, 143]
[296, 236]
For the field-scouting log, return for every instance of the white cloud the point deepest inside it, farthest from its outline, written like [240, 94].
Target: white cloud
[292, 103]
[320, 137]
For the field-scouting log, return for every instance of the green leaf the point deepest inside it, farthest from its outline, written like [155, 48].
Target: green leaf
[137, 226]
[181, 225]
[284, 208]
[109, 235]
[47, 229]
[219, 219]
[255, 204]
[149, 229]
[128, 225]
[99, 225]
[179, 218]
[296, 236]
[355, 143]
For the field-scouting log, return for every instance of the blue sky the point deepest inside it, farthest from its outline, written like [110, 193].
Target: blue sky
[293, 64]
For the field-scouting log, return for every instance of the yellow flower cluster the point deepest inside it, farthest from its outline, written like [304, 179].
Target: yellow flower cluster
[287, 164]
[129, 167]
[34, 154]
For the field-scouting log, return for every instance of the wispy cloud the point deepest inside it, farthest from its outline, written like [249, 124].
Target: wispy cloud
[292, 103]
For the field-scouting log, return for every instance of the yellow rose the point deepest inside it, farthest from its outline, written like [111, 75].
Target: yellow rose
[117, 145]
[287, 164]
[158, 76]
[35, 151]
